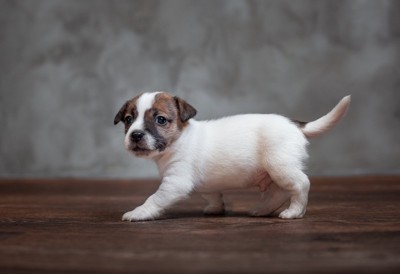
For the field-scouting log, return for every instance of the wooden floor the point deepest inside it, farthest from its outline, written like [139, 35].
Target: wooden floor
[73, 226]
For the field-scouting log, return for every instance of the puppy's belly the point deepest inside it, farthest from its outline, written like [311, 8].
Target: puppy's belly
[234, 181]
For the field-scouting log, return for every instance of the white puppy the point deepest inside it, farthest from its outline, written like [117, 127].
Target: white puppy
[251, 150]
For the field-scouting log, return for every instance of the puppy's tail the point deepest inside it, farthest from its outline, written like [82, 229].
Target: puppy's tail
[326, 122]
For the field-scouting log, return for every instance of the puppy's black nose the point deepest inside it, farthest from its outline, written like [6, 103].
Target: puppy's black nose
[137, 135]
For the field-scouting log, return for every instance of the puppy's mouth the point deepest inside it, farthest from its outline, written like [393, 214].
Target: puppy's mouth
[139, 149]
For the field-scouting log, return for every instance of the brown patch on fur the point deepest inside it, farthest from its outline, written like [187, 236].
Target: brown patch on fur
[186, 111]
[164, 105]
[164, 135]
[176, 106]
[129, 108]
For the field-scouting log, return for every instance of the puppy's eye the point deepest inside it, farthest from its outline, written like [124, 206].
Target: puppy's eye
[128, 120]
[161, 120]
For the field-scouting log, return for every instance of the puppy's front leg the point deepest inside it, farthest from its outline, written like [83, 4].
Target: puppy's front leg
[171, 190]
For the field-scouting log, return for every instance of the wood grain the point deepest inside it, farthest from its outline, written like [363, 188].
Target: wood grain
[73, 226]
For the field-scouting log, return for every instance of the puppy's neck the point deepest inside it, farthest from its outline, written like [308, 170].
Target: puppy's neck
[173, 152]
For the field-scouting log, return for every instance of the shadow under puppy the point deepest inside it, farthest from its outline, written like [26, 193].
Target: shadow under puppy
[263, 150]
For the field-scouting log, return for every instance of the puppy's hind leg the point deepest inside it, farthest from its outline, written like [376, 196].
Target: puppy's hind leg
[297, 184]
[215, 205]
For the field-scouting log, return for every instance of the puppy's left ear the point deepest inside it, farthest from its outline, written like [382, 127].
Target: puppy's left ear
[186, 111]
[120, 114]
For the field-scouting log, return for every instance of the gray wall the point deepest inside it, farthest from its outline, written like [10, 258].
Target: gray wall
[67, 66]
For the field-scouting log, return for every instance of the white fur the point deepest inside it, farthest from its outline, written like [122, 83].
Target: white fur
[252, 150]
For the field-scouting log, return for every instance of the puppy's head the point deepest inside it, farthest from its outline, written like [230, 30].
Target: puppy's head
[153, 121]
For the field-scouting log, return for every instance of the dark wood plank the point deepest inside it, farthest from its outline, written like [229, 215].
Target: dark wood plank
[73, 226]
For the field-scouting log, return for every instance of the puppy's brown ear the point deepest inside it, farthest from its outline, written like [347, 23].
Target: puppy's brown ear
[120, 114]
[186, 111]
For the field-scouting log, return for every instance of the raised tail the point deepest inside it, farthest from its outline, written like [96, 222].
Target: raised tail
[328, 121]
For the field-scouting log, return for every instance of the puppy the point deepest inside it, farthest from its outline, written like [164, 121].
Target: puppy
[252, 150]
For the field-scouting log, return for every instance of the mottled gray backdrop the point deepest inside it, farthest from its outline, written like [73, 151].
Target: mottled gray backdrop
[67, 66]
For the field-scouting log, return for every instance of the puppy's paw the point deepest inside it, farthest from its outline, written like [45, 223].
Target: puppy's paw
[139, 214]
[214, 210]
[291, 214]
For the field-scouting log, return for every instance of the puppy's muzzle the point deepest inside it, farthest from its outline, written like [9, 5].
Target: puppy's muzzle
[137, 136]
